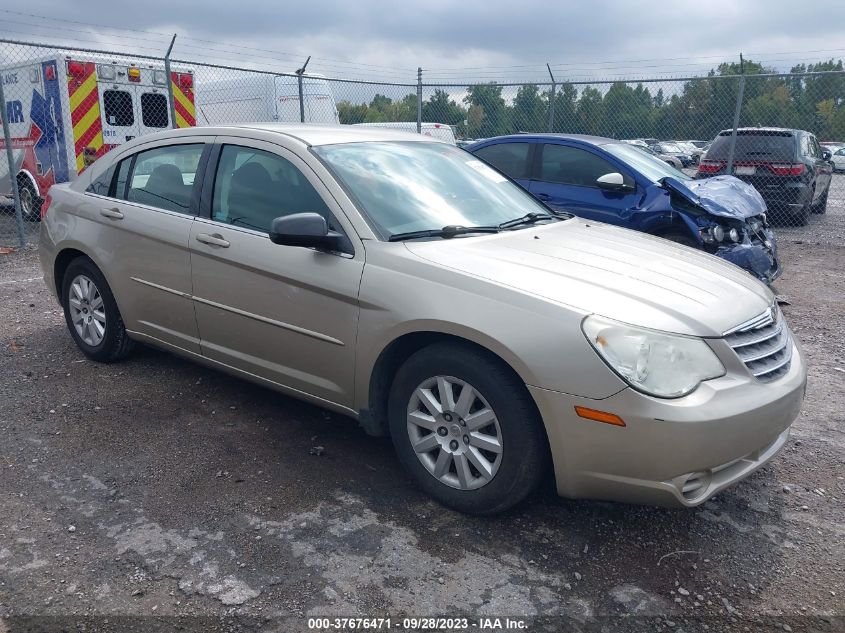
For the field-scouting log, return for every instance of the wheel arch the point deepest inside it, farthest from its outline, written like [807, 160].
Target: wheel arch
[61, 262]
[373, 418]
[24, 174]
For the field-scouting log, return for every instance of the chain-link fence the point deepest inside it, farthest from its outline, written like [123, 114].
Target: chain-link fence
[63, 108]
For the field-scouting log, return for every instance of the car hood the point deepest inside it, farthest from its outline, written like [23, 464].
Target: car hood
[724, 196]
[601, 269]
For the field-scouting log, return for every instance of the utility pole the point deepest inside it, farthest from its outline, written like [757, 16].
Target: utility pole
[299, 73]
[170, 83]
[419, 100]
[551, 100]
[737, 110]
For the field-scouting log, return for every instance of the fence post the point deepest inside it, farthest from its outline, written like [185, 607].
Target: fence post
[419, 100]
[10, 159]
[552, 101]
[299, 73]
[739, 94]
[170, 97]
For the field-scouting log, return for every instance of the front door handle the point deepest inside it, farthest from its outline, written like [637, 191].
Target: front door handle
[113, 214]
[543, 196]
[212, 240]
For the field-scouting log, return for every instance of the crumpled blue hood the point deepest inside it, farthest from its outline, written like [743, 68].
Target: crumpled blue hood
[724, 196]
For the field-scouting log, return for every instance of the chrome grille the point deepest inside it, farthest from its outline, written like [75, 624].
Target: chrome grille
[763, 344]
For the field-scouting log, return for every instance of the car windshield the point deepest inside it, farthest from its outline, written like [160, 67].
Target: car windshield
[412, 186]
[647, 164]
[670, 147]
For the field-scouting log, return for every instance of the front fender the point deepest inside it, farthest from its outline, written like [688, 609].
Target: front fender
[540, 340]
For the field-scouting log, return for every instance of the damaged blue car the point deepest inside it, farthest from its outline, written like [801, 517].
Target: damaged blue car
[615, 182]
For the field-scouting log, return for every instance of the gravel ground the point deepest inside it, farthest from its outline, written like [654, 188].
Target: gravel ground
[155, 494]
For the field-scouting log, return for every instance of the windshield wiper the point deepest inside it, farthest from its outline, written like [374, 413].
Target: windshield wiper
[528, 218]
[446, 232]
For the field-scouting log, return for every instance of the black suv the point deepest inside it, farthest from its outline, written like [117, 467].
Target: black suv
[788, 167]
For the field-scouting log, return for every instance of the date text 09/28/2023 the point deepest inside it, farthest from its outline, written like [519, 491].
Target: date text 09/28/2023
[491, 624]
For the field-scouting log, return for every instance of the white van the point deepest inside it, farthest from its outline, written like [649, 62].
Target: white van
[266, 98]
[440, 131]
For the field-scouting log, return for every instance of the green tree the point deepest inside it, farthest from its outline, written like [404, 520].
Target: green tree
[590, 112]
[441, 109]
[530, 110]
[566, 103]
[350, 113]
[489, 98]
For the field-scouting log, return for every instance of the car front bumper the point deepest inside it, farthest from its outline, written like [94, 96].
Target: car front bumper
[755, 257]
[676, 452]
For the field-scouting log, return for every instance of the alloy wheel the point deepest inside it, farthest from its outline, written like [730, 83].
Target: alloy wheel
[25, 196]
[87, 310]
[454, 432]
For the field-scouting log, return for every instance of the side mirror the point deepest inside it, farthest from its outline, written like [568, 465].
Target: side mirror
[304, 229]
[826, 155]
[612, 182]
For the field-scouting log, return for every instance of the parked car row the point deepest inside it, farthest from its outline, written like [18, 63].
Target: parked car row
[790, 168]
[837, 151]
[620, 183]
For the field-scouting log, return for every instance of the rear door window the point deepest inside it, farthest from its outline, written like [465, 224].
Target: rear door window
[508, 158]
[102, 184]
[163, 177]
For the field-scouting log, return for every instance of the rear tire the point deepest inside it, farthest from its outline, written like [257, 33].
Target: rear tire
[30, 202]
[821, 206]
[496, 420]
[803, 216]
[91, 313]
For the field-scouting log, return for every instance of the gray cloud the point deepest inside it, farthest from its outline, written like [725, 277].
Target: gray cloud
[440, 35]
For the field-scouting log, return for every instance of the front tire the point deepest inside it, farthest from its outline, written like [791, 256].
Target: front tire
[91, 313]
[466, 429]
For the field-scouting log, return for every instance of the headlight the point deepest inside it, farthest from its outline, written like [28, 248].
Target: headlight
[718, 233]
[734, 235]
[659, 364]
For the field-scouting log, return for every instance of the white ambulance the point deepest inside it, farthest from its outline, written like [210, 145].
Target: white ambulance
[266, 98]
[64, 113]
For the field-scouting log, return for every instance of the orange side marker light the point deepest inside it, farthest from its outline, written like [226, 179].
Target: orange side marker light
[599, 416]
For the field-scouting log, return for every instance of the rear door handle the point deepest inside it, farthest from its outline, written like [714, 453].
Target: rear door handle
[113, 214]
[212, 240]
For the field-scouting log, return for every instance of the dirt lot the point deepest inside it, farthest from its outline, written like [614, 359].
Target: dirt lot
[178, 497]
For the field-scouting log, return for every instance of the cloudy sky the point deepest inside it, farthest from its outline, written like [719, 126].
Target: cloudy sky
[454, 40]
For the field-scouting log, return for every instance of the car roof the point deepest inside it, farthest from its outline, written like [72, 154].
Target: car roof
[762, 130]
[311, 135]
[584, 138]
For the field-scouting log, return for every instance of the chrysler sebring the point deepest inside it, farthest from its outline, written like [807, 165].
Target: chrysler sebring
[403, 282]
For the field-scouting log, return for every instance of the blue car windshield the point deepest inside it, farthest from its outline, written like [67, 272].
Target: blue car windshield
[648, 165]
